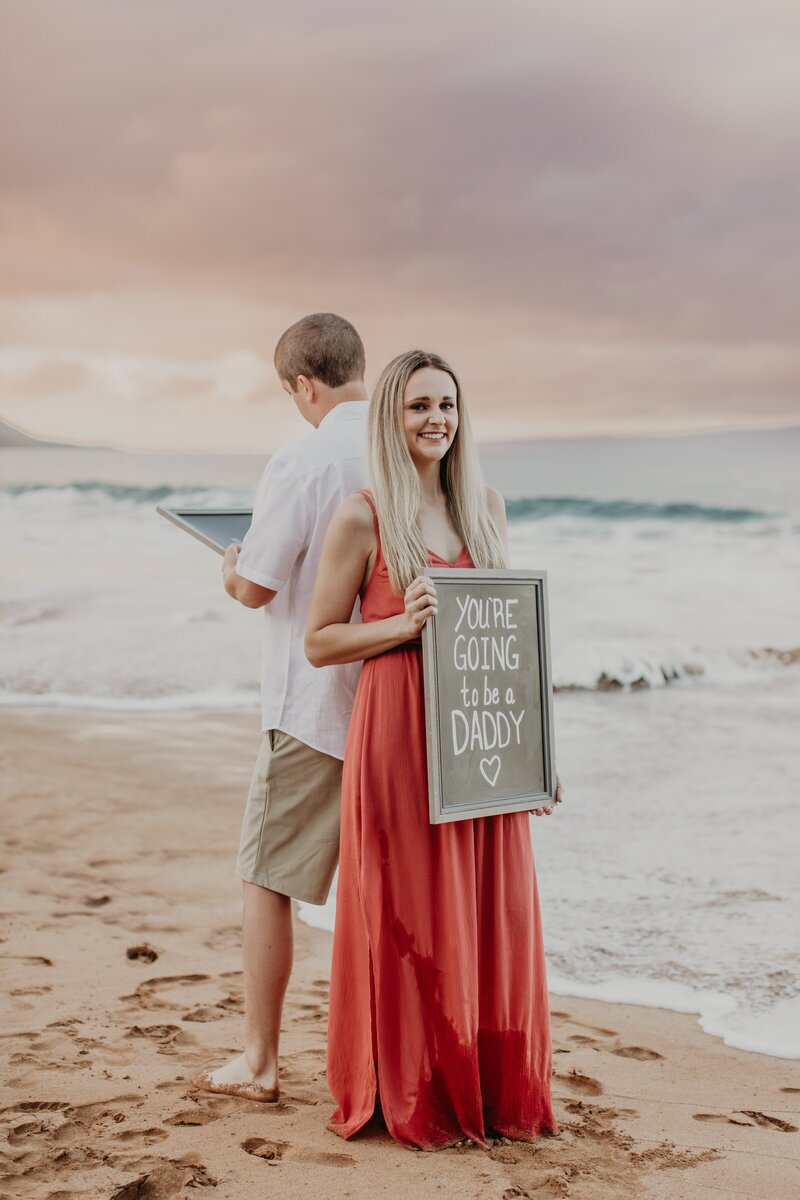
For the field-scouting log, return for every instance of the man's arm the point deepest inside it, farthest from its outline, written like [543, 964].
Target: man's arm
[251, 595]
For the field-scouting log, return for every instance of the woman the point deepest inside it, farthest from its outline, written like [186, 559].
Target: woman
[438, 1006]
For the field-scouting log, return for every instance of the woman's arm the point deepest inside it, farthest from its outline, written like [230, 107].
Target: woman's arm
[347, 555]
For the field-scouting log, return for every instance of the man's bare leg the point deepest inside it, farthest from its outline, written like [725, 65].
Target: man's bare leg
[267, 948]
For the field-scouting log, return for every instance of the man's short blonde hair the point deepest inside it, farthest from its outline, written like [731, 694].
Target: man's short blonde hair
[321, 346]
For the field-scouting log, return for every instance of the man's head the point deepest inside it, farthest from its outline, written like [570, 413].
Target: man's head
[320, 361]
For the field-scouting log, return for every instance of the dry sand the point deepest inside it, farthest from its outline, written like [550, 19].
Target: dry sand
[121, 979]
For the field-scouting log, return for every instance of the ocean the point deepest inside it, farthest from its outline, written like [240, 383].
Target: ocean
[669, 875]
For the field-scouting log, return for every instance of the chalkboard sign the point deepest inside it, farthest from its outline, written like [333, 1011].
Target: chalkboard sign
[488, 694]
[214, 527]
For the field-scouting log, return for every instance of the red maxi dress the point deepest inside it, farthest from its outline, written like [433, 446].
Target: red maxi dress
[439, 1010]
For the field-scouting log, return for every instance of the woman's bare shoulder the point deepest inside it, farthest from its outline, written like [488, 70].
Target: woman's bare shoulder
[354, 516]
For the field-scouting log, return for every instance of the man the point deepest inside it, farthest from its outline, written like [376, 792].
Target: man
[290, 832]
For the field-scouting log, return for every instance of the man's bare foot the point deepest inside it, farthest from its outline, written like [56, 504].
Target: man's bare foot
[236, 1079]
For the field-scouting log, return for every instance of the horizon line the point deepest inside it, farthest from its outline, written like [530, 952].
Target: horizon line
[43, 442]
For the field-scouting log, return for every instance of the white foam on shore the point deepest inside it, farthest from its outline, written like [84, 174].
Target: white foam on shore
[319, 916]
[213, 700]
[774, 1031]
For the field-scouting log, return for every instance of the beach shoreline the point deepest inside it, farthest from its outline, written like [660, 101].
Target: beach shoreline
[120, 837]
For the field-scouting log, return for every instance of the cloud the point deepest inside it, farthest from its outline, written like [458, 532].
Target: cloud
[144, 402]
[234, 401]
[583, 188]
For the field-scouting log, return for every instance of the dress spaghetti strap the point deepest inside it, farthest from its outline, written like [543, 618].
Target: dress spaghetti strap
[368, 497]
[379, 560]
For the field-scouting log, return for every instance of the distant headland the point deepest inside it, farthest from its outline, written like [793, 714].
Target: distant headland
[12, 438]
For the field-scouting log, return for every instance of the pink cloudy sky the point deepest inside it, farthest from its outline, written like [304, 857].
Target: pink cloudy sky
[590, 208]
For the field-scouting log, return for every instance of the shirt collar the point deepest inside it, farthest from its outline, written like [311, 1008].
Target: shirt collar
[347, 410]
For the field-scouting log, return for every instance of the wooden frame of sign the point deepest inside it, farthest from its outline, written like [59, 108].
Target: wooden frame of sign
[488, 694]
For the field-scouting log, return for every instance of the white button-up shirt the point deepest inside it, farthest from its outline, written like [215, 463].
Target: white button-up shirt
[301, 487]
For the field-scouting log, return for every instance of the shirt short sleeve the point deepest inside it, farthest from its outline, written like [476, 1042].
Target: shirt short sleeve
[280, 529]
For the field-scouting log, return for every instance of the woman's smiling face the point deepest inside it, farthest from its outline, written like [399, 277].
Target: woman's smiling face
[430, 415]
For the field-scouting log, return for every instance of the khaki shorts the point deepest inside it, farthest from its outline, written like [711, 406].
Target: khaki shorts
[290, 831]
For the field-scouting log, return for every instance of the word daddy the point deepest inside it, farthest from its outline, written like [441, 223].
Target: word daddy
[488, 718]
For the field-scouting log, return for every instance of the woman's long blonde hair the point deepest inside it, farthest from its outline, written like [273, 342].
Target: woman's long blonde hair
[395, 482]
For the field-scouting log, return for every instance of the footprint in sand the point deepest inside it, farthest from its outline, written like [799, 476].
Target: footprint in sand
[160, 1033]
[309, 1012]
[146, 1136]
[193, 1116]
[37, 1106]
[232, 1003]
[582, 1083]
[271, 1152]
[164, 1178]
[142, 953]
[148, 993]
[35, 960]
[551, 1187]
[23, 1131]
[205, 1012]
[229, 937]
[59, 1138]
[207, 1108]
[223, 1106]
[582, 1108]
[639, 1052]
[102, 1053]
[503, 1155]
[276, 1152]
[666, 1157]
[171, 1039]
[747, 1117]
[322, 1158]
[60, 1045]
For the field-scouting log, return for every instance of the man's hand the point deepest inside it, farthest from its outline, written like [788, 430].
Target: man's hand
[250, 594]
[231, 558]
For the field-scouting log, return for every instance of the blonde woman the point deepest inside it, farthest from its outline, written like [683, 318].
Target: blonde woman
[438, 1010]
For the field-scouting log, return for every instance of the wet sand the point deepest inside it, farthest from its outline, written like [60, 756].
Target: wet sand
[121, 978]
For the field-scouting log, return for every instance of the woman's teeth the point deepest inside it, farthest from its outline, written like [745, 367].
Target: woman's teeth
[434, 437]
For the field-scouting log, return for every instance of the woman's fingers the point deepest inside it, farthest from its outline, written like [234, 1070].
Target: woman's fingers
[420, 600]
[420, 616]
[419, 587]
[424, 601]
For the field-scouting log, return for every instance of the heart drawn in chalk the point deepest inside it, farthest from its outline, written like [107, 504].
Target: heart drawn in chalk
[490, 769]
